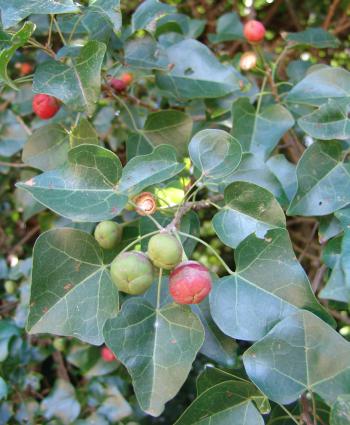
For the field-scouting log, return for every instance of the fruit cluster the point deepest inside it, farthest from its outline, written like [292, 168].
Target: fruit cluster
[133, 272]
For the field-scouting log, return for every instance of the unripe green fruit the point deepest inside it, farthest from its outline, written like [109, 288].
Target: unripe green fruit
[59, 344]
[108, 234]
[165, 251]
[10, 286]
[132, 272]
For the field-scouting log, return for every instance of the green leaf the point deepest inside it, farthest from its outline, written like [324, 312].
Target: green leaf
[83, 133]
[229, 402]
[217, 346]
[12, 134]
[212, 376]
[71, 293]
[323, 181]
[259, 133]
[343, 216]
[196, 73]
[157, 346]
[146, 170]
[239, 302]
[229, 27]
[320, 86]
[83, 189]
[148, 13]
[215, 153]
[77, 85]
[248, 209]
[314, 37]
[328, 122]
[285, 172]
[322, 357]
[340, 413]
[145, 53]
[137, 145]
[47, 148]
[14, 11]
[169, 127]
[18, 40]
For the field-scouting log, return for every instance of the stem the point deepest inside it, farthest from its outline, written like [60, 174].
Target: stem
[187, 235]
[159, 287]
[263, 85]
[138, 240]
[314, 413]
[155, 222]
[77, 22]
[289, 414]
[14, 165]
[59, 30]
[48, 43]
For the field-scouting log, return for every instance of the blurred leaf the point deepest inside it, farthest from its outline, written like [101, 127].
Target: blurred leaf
[323, 181]
[78, 86]
[18, 40]
[160, 352]
[71, 293]
[7, 331]
[229, 27]
[321, 354]
[169, 127]
[248, 209]
[145, 53]
[259, 133]
[340, 413]
[12, 134]
[238, 302]
[12, 12]
[3, 389]
[114, 406]
[148, 13]
[314, 37]
[84, 188]
[61, 403]
[196, 73]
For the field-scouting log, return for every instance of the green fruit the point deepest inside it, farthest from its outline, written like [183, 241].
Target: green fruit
[132, 272]
[59, 344]
[165, 251]
[10, 286]
[108, 234]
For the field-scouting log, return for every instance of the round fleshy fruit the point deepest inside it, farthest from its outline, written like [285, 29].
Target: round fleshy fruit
[108, 234]
[25, 68]
[107, 354]
[189, 283]
[118, 85]
[127, 78]
[165, 251]
[248, 61]
[254, 31]
[132, 272]
[45, 106]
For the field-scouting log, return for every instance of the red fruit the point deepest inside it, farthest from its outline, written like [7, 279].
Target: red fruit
[45, 106]
[118, 85]
[127, 78]
[254, 31]
[189, 283]
[107, 354]
[25, 68]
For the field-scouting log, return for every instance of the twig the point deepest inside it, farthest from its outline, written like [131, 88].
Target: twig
[330, 14]
[318, 278]
[293, 15]
[24, 125]
[305, 414]
[61, 368]
[312, 235]
[339, 316]
[26, 238]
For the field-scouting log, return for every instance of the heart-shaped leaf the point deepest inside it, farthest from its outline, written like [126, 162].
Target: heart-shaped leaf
[197, 73]
[238, 302]
[315, 37]
[215, 153]
[248, 209]
[303, 339]
[259, 133]
[229, 27]
[330, 121]
[323, 180]
[157, 346]
[84, 188]
[78, 85]
[71, 292]
[146, 170]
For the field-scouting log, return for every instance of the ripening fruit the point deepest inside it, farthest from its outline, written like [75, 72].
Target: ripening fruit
[24, 68]
[127, 78]
[165, 251]
[248, 61]
[10, 286]
[254, 31]
[118, 85]
[145, 203]
[59, 344]
[132, 272]
[189, 283]
[108, 234]
[45, 106]
[107, 354]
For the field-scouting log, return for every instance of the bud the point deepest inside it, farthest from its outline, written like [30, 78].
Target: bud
[248, 61]
[145, 203]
